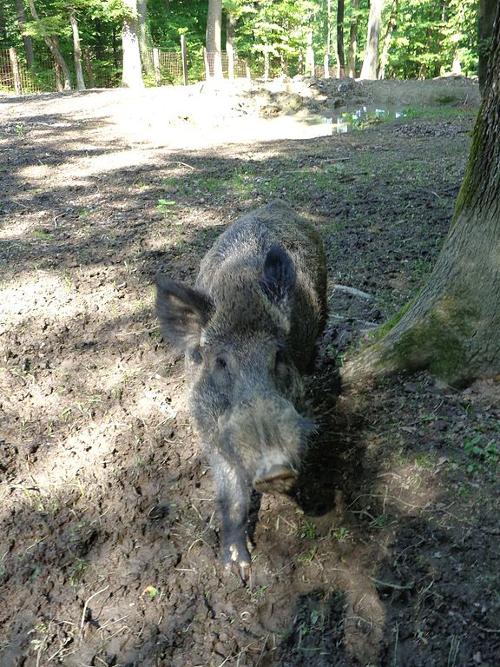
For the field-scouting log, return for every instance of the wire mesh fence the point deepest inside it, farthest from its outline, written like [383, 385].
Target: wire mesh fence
[212, 66]
[17, 78]
[166, 67]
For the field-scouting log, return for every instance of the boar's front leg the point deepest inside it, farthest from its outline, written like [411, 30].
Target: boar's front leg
[234, 493]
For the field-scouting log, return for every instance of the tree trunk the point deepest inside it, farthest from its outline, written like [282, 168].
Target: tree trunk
[53, 45]
[340, 40]
[485, 24]
[309, 53]
[266, 63]
[230, 30]
[143, 35]
[88, 68]
[328, 50]
[384, 57]
[27, 41]
[452, 328]
[353, 39]
[132, 71]
[213, 38]
[369, 69]
[77, 52]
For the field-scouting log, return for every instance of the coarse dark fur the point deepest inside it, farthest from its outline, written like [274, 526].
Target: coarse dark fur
[248, 330]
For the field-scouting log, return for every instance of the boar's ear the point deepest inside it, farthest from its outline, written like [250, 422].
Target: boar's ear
[278, 278]
[182, 312]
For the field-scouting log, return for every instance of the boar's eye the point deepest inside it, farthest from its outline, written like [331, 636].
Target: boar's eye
[195, 355]
[220, 363]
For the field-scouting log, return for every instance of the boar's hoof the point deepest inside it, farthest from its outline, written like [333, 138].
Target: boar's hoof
[278, 479]
[237, 558]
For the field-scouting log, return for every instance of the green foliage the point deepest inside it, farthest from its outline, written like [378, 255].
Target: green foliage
[428, 39]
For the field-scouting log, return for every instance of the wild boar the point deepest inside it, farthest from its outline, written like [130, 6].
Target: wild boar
[248, 330]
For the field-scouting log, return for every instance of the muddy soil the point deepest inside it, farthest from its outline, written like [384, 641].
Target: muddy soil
[109, 543]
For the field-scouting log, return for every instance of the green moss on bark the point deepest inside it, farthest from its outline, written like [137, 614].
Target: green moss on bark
[437, 342]
[469, 186]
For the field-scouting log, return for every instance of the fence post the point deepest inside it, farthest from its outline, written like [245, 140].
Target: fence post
[15, 70]
[184, 60]
[247, 71]
[156, 66]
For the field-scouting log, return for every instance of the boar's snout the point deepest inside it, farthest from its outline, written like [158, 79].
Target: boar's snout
[268, 435]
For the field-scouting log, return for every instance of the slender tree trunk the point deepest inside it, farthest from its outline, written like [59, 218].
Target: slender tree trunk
[88, 68]
[230, 30]
[340, 40]
[27, 41]
[353, 38]
[53, 45]
[143, 35]
[328, 50]
[452, 328]
[369, 69]
[266, 63]
[77, 52]
[213, 38]
[309, 53]
[485, 24]
[386, 44]
[132, 71]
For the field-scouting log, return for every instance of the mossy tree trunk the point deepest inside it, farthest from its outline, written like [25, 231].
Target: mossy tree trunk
[453, 326]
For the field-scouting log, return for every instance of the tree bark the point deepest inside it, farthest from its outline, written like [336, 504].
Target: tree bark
[328, 50]
[353, 39]
[485, 28]
[132, 71]
[27, 41]
[452, 328]
[230, 30]
[77, 52]
[369, 69]
[53, 45]
[386, 44]
[340, 39]
[309, 53]
[213, 38]
[143, 35]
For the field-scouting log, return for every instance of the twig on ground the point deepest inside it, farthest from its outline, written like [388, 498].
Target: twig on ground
[353, 291]
[82, 622]
[397, 587]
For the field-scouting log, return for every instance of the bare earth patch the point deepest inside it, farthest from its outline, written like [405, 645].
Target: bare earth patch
[108, 538]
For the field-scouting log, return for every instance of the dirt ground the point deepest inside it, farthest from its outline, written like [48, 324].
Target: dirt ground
[108, 536]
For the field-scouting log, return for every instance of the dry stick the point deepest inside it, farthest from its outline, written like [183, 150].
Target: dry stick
[82, 622]
[396, 587]
[353, 291]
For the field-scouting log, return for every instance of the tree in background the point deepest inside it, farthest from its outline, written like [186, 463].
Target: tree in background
[27, 41]
[48, 27]
[370, 62]
[132, 69]
[485, 26]
[144, 37]
[390, 26]
[340, 39]
[452, 327]
[353, 38]
[214, 38]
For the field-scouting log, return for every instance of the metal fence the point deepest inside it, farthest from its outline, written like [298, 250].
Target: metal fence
[16, 77]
